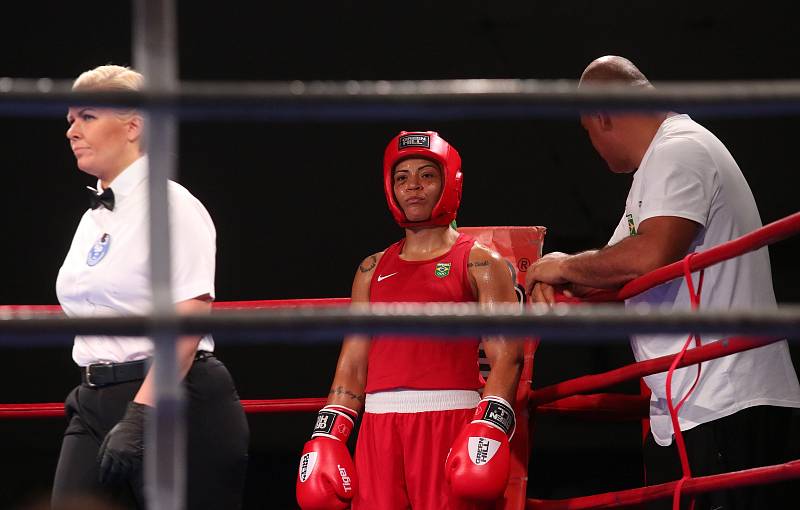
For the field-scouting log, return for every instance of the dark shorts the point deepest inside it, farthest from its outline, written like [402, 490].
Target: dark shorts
[753, 437]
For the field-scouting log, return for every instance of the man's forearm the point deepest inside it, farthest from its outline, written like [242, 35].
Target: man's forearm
[609, 268]
[661, 240]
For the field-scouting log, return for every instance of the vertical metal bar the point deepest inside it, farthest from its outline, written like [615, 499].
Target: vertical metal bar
[155, 56]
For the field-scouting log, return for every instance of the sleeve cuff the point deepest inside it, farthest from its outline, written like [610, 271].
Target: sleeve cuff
[190, 292]
[697, 218]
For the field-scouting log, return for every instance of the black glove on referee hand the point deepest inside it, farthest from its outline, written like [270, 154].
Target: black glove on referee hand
[120, 455]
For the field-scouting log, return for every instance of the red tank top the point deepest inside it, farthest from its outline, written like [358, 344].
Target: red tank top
[423, 363]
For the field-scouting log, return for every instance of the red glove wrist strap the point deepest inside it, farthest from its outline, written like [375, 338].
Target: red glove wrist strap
[335, 422]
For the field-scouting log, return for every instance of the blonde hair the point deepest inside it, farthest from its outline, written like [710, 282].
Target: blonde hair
[109, 77]
[112, 77]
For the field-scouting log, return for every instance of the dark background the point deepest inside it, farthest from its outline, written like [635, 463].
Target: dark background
[298, 205]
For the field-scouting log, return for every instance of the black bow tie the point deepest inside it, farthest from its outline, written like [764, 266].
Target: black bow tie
[106, 198]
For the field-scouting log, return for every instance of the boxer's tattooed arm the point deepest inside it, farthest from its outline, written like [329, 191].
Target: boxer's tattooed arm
[341, 390]
[480, 263]
[368, 264]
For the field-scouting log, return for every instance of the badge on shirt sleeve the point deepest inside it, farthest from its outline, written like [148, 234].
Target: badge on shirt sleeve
[99, 250]
[631, 225]
[442, 269]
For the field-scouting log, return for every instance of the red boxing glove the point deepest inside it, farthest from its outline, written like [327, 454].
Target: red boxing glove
[326, 479]
[477, 467]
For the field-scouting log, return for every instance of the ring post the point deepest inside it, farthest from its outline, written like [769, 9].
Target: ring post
[155, 56]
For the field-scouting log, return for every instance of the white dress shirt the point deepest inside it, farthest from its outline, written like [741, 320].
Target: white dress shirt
[106, 271]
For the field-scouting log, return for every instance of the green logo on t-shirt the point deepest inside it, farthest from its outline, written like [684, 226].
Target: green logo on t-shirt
[631, 226]
[442, 269]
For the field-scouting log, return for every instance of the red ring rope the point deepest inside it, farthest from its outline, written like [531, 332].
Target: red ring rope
[601, 406]
[699, 485]
[673, 409]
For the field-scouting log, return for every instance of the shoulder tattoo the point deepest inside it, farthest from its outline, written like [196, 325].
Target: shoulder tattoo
[368, 264]
[480, 263]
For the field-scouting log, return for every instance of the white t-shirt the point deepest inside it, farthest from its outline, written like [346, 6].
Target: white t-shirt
[106, 271]
[687, 172]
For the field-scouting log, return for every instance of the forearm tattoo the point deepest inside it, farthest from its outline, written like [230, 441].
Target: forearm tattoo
[341, 390]
[482, 263]
[368, 264]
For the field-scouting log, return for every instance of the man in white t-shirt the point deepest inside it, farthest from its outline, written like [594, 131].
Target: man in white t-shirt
[687, 195]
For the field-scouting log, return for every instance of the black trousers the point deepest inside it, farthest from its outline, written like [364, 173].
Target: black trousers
[217, 442]
[753, 437]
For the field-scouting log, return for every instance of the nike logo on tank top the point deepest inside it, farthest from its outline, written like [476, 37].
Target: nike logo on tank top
[382, 277]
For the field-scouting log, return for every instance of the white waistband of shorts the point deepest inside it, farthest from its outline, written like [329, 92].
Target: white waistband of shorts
[420, 401]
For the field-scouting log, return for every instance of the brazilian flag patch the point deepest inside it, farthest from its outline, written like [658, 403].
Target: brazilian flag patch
[442, 269]
[631, 226]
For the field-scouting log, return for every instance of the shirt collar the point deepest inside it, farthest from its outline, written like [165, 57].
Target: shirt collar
[129, 179]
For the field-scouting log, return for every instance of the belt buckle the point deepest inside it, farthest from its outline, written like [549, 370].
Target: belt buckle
[88, 372]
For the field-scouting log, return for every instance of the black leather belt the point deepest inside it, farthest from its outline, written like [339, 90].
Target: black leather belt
[103, 374]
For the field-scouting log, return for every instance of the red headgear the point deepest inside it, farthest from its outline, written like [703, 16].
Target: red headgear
[428, 145]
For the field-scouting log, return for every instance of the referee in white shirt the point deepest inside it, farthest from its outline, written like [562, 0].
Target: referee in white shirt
[106, 273]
